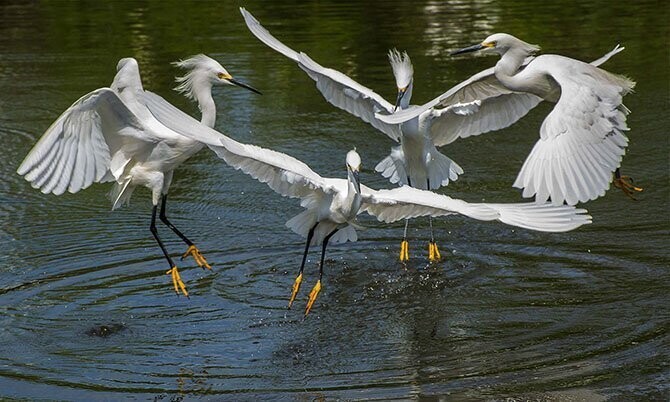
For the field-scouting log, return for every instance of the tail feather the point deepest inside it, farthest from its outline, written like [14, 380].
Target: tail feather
[304, 221]
[121, 192]
[393, 167]
[440, 169]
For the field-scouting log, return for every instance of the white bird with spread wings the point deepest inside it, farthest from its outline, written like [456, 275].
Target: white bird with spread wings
[333, 204]
[109, 135]
[582, 140]
[475, 106]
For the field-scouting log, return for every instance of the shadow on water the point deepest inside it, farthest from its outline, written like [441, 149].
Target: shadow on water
[86, 309]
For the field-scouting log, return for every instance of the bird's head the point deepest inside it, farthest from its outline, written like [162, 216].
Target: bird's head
[127, 75]
[353, 168]
[500, 43]
[204, 71]
[403, 71]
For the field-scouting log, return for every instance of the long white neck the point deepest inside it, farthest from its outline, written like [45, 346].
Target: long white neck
[507, 72]
[507, 68]
[202, 89]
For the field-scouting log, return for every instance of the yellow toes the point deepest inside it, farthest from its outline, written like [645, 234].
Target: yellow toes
[312, 296]
[176, 281]
[296, 287]
[197, 256]
[625, 183]
[404, 250]
[433, 252]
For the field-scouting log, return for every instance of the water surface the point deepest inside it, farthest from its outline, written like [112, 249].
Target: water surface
[87, 312]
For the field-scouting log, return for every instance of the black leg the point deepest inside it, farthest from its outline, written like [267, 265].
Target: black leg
[310, 234]
[323, 251]
[409, 181]
[154, 231]
[317, 288]
[298, 279]
[192, 249]
[176, 278]
[169, 224]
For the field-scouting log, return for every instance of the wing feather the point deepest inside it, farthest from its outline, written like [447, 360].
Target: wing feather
[282, 173]
[73, 153]
[346, 94]
[406, 202]
[584, 132]
[337, 88]
[500, 107]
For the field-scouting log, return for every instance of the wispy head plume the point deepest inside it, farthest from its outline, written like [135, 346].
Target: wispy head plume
[402, 67]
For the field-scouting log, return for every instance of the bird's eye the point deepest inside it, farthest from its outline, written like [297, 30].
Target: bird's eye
[223, 76]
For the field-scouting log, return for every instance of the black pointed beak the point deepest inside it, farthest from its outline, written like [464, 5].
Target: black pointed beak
[468, 49]
[357, 181]
[243, 85]
[401, 93]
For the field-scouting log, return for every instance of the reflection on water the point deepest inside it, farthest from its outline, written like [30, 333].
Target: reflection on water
[87, 310]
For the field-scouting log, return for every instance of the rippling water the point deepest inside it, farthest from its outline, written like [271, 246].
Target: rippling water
[86, 310]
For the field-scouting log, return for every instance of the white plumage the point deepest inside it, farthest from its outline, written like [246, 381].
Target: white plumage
[581, 141]
[332, 204]
[416, 161]
[110, 135]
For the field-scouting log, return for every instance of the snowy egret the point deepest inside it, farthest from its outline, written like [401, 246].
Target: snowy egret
[581, 141]
[416, 161]
[203, 73]
[332, 204]
[109, 135]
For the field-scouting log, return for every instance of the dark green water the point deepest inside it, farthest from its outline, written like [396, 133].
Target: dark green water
[507, 313]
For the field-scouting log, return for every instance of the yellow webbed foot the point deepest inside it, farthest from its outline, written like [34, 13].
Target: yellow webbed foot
[625, 183]
[312, 296]
[176, 281]
[404, 250]
[296, 287]
[433, 252]
[197, 256]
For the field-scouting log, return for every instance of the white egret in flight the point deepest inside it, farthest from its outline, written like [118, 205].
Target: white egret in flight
[332, 204]
[581, 140]
[416, 161]
[110, 135]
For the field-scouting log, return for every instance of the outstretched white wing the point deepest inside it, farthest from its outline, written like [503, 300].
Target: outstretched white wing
[407, 202]
[581, 140]
[499, 107]
[337, 88]
[283, 173]
[83, 144]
